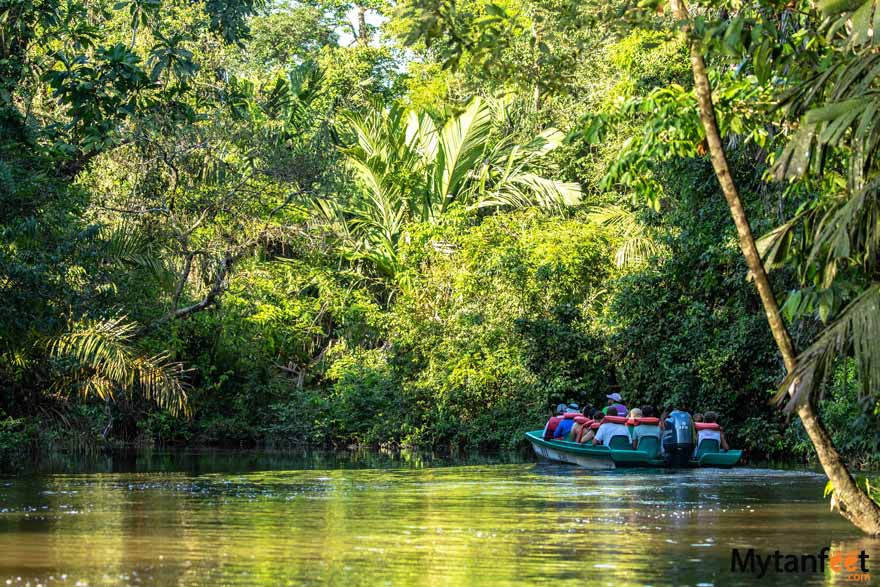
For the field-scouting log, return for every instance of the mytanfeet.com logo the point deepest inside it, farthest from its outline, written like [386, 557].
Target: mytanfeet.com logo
[850, 565]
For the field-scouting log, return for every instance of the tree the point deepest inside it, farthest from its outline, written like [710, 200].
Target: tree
[413, 167]
[81, 84]
[285, 37]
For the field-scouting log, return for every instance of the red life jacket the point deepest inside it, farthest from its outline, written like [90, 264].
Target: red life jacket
[707, 426]
[552, 423]
[586, 425]
[647, 421]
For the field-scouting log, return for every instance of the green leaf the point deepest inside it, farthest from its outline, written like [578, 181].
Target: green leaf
[792, 304]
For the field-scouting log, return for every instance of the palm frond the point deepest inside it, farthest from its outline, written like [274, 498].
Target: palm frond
[850, 229]
[527, 190]
[125, 243]
[543, 143]
[615, 217]
[855, 331]
[774, 246]
[327, 209]
[306, 82]
[637, 245]
[854, 20]
[422, 135]
[103, 359]
[365, 233]
[462, 144]
[837, 109]
[410, 171]
[635, 250]
[367, 131]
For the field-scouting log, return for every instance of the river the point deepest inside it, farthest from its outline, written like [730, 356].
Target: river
[261, 519]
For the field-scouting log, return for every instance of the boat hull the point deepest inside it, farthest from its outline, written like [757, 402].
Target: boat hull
[601, 457]
[585, 461]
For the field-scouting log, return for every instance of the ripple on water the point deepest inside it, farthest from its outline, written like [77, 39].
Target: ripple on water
[487, 525]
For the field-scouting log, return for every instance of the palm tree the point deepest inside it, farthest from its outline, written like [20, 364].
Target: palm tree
[411, 167]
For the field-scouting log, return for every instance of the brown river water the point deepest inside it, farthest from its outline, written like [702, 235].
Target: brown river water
[257, 519]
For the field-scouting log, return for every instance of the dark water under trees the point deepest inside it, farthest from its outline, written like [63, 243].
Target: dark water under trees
[268, 519]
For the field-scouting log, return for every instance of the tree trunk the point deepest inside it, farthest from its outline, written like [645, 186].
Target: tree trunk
[362, 33]
[852, 502]
[536, 91]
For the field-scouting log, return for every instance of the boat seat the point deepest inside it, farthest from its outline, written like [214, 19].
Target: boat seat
[706, 446]
[650, 445]
[620, 442]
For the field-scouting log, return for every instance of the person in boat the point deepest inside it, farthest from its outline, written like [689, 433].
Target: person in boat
[615, 404]
[716, 433]
[634, 416]
[553, 422]
[564, 427]
[580, 421]
[589, 432]
[609, 430]
[649, 411]
[645, 425]
[587, 411]
[698, 417]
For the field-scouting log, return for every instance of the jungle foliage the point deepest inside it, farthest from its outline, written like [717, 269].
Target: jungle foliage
[243, 224]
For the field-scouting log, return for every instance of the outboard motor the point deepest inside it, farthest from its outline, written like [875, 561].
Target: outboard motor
[678, 438]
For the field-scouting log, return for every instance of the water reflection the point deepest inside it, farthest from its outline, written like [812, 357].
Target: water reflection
[501, 524]
[197, 461]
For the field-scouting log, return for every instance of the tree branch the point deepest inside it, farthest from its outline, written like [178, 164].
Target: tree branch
[181, 283]
[217, 288]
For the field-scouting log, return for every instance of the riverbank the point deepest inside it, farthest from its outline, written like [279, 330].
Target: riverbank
[30, 444]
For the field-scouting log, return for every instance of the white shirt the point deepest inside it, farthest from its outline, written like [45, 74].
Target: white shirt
[708, 434]
[607, 431]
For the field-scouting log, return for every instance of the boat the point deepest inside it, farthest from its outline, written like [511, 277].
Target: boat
[679, 444]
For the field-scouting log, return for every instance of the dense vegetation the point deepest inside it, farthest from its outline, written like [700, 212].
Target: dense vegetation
[239, 224]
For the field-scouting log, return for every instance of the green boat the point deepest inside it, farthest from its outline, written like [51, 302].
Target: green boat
[620, 454]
